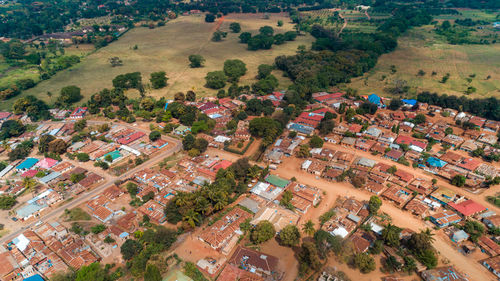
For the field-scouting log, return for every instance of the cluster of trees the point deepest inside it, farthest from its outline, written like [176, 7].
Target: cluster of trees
[233, 70]
[137, 252]
[192, 208]
[266, 38]
[344, 57]
[487, 108]
[45, 57]
[35, 109]
[194, 146]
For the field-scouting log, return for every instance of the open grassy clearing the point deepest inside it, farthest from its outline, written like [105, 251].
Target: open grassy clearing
[422, 49]
[167, 48]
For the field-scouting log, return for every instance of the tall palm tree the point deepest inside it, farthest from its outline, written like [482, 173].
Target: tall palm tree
[29, 184]
[308, 228]
[428, 235]
[191, 217]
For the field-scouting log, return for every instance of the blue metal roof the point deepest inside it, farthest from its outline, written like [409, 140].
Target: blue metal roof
[374, 99]
[410, 102]
[28, 163]
[36, 277]
[434, 162]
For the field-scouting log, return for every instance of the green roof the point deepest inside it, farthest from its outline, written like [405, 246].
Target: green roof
[277, 181]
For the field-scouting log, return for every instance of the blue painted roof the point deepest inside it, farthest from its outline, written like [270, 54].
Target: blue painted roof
[34, 278]
[434, 162]
[28, 163]
[374, 99]
[301, 128]
[410, 102]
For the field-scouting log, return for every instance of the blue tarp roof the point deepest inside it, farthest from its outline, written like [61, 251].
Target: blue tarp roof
[36, 277]
[28, 163]
[434, 162]
[374, 99]
[410, 102]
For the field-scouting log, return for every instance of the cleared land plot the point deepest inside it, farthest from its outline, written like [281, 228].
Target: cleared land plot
[422, 49]
[167, 49]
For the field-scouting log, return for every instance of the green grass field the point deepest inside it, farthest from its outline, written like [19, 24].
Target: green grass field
[167, 49]
[422, 49]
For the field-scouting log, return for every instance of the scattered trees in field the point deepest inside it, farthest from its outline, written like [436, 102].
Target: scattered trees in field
[158, 79]
[235, 27]
[196, 61]
[115, 61]
[218, 35]
[209, 17]
[234, 69]
[69, 95]
[216, 79]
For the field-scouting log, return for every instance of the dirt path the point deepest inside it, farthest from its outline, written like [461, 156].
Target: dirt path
[399, 217]
[367, 15]
[343, 26]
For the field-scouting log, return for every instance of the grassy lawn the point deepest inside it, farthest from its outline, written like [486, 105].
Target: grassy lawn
[167, 49]
[76, 214]
[422, 49]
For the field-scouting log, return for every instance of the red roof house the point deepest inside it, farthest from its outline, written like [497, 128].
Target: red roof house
[467, 208]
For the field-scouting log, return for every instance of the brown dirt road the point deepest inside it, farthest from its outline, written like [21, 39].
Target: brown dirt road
[399, 217]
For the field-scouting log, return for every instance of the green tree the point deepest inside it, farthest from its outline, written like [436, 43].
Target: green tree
[316, 142]
[132, 188]
[92, 272]
[57, 146]
[286, 199]
[196, 61]
[308, 257]
[374, 204]
[235, 27]
[82, 157]
[209, 17]
[280, 23]
[458, 180]
[262, 232]
[390, 234]
[190, 96]
[308, 228]
[264, 70]
[7, 202]
[234, 69]
[364, 262]
[474, 228]
[216, 79]
[158, 79]
[154, 135]
[245, 37]
[130, 248]
[266, 30]
[43, 143]
[70, 95]
[152, 273]
[108, 158]
[289, 236]
[96, 229]
[80, 125]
